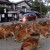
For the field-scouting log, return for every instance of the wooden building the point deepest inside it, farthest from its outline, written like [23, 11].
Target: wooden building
[6, 8]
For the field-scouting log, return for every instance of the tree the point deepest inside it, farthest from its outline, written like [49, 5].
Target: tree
[48, 8]
[39, 6]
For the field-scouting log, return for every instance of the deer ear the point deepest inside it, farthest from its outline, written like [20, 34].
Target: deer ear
[17, 27]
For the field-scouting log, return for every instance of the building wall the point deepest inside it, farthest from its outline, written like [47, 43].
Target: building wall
[22, 4]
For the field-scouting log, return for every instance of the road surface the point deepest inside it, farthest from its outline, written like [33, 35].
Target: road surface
[10, 44]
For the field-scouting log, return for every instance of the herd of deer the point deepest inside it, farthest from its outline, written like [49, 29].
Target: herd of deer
[29, 33]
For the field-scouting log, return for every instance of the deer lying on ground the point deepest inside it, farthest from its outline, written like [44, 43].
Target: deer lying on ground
[30, 44]
[6, 30]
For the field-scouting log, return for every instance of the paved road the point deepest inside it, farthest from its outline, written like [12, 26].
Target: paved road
[39, 19]
[10, 44]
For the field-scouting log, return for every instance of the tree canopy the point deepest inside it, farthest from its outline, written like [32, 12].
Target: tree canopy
[39, 6]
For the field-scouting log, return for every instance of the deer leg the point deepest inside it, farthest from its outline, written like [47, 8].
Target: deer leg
[5, 37]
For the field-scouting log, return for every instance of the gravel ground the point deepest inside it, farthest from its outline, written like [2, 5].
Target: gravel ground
[10, 44]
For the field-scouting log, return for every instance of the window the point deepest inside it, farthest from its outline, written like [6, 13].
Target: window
[3, 15]
[9, 15]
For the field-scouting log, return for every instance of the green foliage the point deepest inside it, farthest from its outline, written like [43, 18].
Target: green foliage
[36, 6]
[48, 8]
[43, 8]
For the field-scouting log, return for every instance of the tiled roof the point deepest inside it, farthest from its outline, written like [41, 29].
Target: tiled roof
[20, 2]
